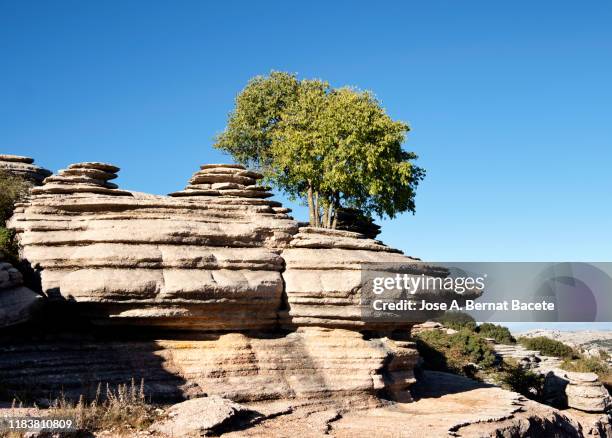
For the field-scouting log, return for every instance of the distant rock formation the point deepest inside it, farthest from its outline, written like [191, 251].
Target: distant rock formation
[23, 167]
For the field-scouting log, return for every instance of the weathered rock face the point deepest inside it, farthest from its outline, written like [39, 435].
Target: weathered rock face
[231, 180]
[203, 261]
[24, 167]
[310, 364]
[324, 273]
[281, 304]
[582, 391]
[16, 301]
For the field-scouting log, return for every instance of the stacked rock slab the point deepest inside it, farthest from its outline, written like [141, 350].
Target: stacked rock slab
[16, 301]
[82, 178]
[582, 391]
[201, 262]
[230, 180]
[352, 219]
[23, 167]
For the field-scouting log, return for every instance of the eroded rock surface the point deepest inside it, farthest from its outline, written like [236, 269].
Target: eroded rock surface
[204, 261]
[23, 167]
[16, 301]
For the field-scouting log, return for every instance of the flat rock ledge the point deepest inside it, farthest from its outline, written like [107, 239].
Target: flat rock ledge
[23, 167]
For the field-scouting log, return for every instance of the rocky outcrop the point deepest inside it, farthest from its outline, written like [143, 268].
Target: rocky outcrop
[582, 391]
[325, 271]
[231, 180]
[203, 261]
[529, 359]
[308, 364]
[279, 306]
[82, 178]
[16, 301]
[23, 167]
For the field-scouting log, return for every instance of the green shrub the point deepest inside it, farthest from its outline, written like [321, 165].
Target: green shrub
[457, 321]
[525, 382]
[548, 347]
[12, 190]
[586, 365]
[455, 352]
[501, 334]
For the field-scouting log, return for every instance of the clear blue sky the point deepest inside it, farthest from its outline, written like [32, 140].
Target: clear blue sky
[510, 102]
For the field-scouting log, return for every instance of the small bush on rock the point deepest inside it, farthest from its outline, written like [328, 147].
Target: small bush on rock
[501, 334]
[457, 321]
[459, 353]
[548, 347]
[518, 379]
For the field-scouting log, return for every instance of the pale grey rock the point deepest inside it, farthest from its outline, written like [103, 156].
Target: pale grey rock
[204, 417]
[16, 301]
[109, 168]
[23, 167]
[16, 159]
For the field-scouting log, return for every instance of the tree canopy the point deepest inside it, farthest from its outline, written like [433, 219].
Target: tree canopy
[332, 147]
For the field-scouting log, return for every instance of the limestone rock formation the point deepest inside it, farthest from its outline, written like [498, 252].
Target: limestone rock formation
[324, 273]
[307, 364]
[582, 391]
[16, 301]
[586, 393]
[203, 261]
[232, 180]
[24, 167]
[278, 305]
[82, 178]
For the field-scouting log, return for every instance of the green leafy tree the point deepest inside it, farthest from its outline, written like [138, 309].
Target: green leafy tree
[332, 147]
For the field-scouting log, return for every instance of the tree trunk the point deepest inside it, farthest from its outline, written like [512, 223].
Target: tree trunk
[336, 208]
[316, 210]
[311, 211]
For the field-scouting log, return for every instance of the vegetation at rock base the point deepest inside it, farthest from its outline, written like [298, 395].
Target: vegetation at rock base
[462, 353]
[499, 333]
[330, 147]
[12, 190]
[457, 321]
[123, 410]
[548, 347]
[514, 377]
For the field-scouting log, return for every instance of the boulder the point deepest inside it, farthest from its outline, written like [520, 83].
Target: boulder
[16, 301]
[204, 417]
[23, 167]
[582, 391]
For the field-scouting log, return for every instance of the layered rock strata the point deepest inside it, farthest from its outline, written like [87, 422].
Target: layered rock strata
[307, 364]
[325, 272]
[82, 178]
[582, 391]
[23, 167]
[205, 262]
[281, 303]
[232, 180]
[16, 301]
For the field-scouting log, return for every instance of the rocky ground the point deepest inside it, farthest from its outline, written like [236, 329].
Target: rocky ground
[585, 340]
